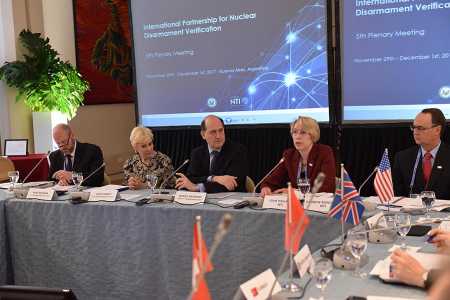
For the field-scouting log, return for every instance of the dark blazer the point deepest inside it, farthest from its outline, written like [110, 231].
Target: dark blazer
[88, 157]
[439, 181]
[232, 160]
[320, 159]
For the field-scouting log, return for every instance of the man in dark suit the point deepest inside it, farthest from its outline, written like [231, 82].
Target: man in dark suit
[425, 167]
[218, 166]
[73, 156]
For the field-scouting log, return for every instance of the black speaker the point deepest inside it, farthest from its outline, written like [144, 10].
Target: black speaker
[17, 292]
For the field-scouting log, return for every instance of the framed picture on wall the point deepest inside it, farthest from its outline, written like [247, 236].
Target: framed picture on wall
[16, 147]
[103, 50]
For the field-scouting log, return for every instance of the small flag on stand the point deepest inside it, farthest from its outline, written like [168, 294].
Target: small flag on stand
[200, 264]
[296, 222]
[383, 179]
[347, 205]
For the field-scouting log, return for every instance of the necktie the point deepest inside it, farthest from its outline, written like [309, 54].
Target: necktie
[213, 155]
[426, 166]
[69, 163]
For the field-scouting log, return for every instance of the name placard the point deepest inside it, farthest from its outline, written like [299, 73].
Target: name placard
[304, 261]
[41, 194]
[185, 197]
[275, 201]
[103, 195]
[258, 288]
[320, 203]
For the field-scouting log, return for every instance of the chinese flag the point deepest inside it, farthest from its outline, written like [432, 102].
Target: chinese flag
[200, 260]
[295, 221]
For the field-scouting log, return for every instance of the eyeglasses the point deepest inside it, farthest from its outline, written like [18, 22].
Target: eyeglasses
[298, 132]
[66, 143]
[421, 128]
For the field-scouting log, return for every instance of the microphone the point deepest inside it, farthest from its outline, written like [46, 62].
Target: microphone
[92, 173]
[35, 167]
[222, 230]
[318, 182]
[251, 201]
[367, 179]
[163, 184]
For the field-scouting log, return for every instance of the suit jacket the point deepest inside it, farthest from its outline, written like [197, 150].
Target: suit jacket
[439, 181]
[88, 157]
[320, 159]
[232, 160]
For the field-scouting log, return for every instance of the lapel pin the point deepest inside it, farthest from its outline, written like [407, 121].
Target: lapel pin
[310, 164]
[439, 167]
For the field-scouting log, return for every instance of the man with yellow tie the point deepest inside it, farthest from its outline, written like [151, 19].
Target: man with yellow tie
[425, 167]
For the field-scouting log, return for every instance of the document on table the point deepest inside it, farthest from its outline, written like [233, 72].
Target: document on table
[428, 260]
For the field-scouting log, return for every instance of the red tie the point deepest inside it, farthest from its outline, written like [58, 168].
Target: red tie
[427, 166]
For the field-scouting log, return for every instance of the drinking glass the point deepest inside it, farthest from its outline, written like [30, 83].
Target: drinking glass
[152, 180]
[322, 274]
[303, 186]
[403, 225]
[13, 178]
[427, 201]
[357, 240]
[77, 178]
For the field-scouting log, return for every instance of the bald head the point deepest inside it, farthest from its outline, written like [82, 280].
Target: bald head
[213, 131]
[64, 138]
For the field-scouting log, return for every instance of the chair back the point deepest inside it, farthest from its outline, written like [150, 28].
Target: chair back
[6, 165]
[106, 179]
[249, 185]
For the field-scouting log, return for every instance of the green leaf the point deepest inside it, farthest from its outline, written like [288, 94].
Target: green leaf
[42, 79]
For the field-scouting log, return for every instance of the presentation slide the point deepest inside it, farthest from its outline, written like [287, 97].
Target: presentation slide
[396, 58]
[250, 62]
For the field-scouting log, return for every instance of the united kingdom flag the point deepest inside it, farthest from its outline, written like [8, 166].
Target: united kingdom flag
[351, 208]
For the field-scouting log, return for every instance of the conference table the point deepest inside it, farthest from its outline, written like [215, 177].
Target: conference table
[117, 250]
[343, 284]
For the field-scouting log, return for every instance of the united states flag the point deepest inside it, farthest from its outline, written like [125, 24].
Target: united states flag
[351, 208]
[383, 179]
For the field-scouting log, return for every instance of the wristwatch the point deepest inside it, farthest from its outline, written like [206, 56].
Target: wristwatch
[426, 282]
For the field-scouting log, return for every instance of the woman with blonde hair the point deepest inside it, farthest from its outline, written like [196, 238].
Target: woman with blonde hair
[146, 161]
[303, 162]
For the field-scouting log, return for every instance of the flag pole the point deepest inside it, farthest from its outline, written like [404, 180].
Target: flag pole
[342, 199]
[389, 199]
[291, 257]
[198, 224]
[198, 227]
[290, 286]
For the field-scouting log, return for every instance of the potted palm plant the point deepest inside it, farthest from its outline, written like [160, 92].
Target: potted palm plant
[47, 85]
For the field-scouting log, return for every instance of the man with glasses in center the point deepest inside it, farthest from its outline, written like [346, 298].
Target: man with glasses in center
[425, 167]
[74, 156]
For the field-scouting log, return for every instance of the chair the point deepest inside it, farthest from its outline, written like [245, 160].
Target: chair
[6, 165]
[249, 185]
[17, 292]
[106, 179]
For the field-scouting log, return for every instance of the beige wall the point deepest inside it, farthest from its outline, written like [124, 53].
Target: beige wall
[19, 115]
[106, 125]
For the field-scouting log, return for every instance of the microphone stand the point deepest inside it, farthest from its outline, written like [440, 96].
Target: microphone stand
[163, 184]
[253, 197]
[95, 171]
[35, 167]
[367, 179]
